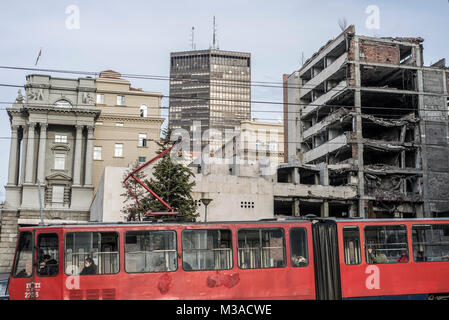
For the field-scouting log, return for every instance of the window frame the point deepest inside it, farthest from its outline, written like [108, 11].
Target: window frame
[14, 274]
[359, 247]
[263, 228]
[122, 101]
[95, 153]
[97, 274]
[60, 156]
[115, 150]
[143, 141]
[58, 257]
[101, 102]
[385, 226]
[290, 244]
[61, 138]
[413, 250]
[53, 193]
[149, 231]
[199, 270]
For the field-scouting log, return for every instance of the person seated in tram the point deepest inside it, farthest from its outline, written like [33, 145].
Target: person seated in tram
[89, 267]
[27, 271]
[48, 266]
[299, 261]
[420, 257]
[403, 258]
[375, 256]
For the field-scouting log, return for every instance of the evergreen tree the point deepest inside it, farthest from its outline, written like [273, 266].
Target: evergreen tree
[172, 182]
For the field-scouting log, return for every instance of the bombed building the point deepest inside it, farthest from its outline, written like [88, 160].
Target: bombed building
[370, 112]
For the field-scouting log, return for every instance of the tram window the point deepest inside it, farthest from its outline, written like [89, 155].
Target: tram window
[261, 248]
[24, 256]
[89, 253]
[298, 247]
[351, 245]
[430, 243]
[207, 249]
[150, 251]
[48, 254]
[386, 244]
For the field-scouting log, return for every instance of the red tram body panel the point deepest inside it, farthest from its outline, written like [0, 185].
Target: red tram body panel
[267, 260]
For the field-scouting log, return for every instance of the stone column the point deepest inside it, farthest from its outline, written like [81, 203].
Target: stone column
[42, 150]
[23, 153]
[30, 154]
[77, 163]
[89, 156]
[13, 156]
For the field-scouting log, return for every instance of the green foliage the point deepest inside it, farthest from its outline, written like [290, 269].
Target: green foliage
[172, 182]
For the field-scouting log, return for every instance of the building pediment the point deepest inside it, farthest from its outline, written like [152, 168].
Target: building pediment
[60, 147]
[58, 176]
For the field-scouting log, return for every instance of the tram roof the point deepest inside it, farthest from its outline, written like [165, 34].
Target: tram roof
[263, 221]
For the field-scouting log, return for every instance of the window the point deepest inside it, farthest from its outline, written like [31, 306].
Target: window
[261, 248]
[143, 111]
[119, 124]
[58, 194]
[118, 150]
[430, 243]
[150, 251]
[273, 146]
[24, 256]
[97, 153]
[99, 123]
[298, 247]
[59, 161]
[351, 245]
[142, 160]
[386, 244]
[120, 100]
[48, 254]
[60, 138]
[206, 249]
[100, 98]
[91, 253]
[142, 140]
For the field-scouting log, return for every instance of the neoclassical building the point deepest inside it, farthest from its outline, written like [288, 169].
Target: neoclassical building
[52, 143]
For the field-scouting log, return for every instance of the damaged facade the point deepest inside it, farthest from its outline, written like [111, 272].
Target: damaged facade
[376, 118]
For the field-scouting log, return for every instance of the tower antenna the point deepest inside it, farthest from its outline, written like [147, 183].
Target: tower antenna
[215, 31]
[193, 38]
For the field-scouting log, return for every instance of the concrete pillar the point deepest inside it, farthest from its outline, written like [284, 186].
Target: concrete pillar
[325, 209]
[23, 153]
[89, 156]
[324, 174]
[77, 163]
[29, 170]
[296, 212]
[13, 157]
[42, 150]
[295, 176]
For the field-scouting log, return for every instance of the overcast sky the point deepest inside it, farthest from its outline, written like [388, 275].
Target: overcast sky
[138, 36]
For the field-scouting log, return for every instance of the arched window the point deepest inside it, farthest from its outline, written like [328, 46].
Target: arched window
[143, 111]
[63, 104]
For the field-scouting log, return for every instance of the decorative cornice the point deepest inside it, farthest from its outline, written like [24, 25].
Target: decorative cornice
[130, 118]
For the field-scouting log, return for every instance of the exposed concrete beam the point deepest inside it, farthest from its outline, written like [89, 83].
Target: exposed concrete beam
[318, 103]
[325, 148]
[323, 75]
[314, 191]
[320, 126]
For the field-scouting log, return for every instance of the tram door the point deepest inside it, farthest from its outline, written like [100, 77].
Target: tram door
[327, 268]
[48, 271]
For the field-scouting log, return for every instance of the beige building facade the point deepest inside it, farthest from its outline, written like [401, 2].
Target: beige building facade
[128, 126]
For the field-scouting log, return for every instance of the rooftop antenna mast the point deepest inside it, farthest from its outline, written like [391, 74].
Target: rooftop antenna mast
[193, 39]
[214, 37]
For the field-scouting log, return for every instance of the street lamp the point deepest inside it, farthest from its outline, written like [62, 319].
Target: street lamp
[206, 202]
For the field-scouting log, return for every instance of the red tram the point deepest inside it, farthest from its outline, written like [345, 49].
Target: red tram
[278, 259]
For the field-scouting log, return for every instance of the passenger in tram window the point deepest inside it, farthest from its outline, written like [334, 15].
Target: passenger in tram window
[299, 261]
[376, 256]
[48, 266]
[420, 257]
[159, 265]
[27, 271]
[403, 258]
[89, 267]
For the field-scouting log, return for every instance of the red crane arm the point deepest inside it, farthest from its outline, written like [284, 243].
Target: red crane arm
[133, 176]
